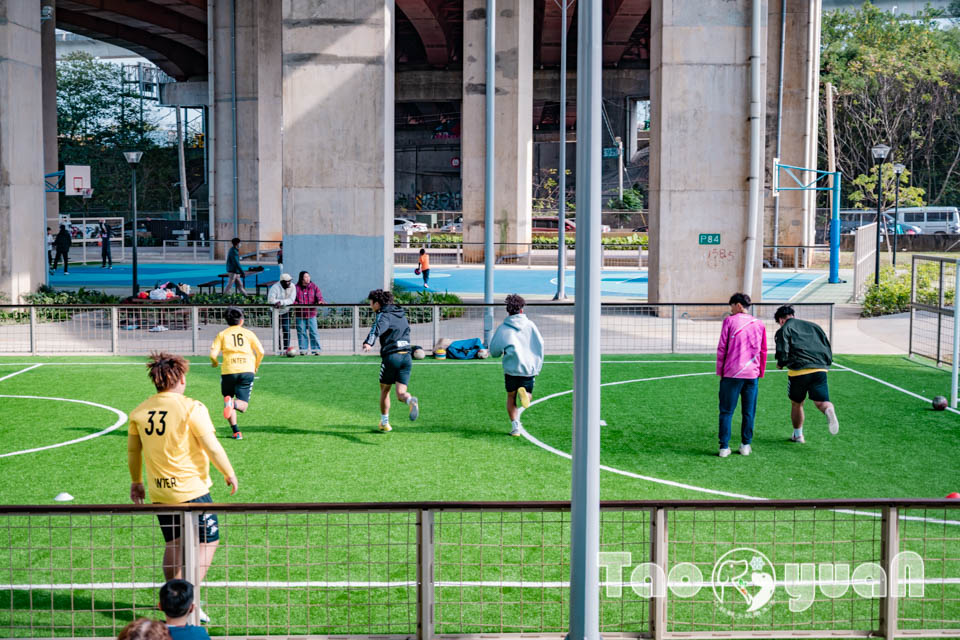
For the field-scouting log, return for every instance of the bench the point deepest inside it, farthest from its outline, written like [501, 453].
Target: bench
[266, 286]
[212, 286]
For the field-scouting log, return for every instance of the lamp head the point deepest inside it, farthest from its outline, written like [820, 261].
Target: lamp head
[898, 168]
[880, 152]
[133, 157]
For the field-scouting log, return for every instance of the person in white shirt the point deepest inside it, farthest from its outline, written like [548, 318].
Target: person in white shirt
[281, 295]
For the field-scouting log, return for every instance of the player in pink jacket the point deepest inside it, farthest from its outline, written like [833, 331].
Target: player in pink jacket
[741, 362]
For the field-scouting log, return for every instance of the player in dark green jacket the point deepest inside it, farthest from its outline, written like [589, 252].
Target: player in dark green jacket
[804, 350]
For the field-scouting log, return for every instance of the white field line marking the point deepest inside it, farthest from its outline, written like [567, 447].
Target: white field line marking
[121, 419]
[690, 487]
[560, 584]
[16, 373]
[892, 386]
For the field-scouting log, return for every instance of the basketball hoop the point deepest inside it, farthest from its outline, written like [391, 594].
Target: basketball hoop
[86, 193]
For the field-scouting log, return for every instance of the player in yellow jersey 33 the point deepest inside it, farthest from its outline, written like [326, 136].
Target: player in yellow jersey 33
[242, 353]
[173, 436]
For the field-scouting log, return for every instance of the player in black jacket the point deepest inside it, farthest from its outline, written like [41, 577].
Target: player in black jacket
[395, 362]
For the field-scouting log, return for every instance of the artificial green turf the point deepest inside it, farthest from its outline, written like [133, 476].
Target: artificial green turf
[310, 436]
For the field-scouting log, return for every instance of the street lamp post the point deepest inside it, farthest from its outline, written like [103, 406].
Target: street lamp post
[133, 158]
[897, 171]
[880, 152]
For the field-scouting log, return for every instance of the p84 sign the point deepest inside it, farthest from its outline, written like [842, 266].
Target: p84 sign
[709, 238]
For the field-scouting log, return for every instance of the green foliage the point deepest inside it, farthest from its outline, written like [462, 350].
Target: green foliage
[48, 295]
[893, 294]
[228, 299]
[546, 192]
[632, 201]
[897, 81]
[864, 194]
[410, 299]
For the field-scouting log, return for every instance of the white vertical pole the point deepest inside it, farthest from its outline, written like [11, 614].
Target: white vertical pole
[585, 485]
[956, 336]
[489, 173]
[562, 168]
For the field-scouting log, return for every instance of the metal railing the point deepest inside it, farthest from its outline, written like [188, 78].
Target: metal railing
[85, 238]
[669, 569]
[527, 254]
[188, 329]
[932, 307]
[263, 250]
[802, 255]
[864, 259]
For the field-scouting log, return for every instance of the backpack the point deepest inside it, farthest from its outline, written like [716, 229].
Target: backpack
[464, 349]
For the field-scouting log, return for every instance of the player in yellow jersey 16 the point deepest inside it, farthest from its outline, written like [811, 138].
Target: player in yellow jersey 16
[173, 436]
[242, 353]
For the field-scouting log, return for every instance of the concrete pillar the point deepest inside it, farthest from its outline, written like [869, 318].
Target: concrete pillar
[700, 149]
[514, 128]
[255, 37]
[48, 57]
[799, 121]
[22, 229]
[338, 123]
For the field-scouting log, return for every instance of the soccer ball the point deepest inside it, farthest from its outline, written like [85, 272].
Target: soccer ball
[483, 354]
[291, 352]
[939, 403]
[419, 354]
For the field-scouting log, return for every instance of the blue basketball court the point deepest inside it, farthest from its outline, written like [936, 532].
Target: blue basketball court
[467, 281]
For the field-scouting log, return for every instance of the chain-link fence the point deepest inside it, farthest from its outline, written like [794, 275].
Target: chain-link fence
[699, 569]
[141, 328]
[932, 295]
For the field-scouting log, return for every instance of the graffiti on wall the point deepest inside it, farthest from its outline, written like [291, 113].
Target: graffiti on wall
[438, 201]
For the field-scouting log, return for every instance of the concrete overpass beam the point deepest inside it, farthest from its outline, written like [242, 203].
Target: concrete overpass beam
[699, 160]
[338, 125]
[22, 229]
[514, 118]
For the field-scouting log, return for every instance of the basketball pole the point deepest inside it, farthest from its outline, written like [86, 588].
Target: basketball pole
[585, 482]
[489, 175]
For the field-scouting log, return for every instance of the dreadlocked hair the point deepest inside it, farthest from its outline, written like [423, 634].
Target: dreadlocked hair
[166, 370]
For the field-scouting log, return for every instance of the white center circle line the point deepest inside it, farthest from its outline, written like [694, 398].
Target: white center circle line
[121, 419]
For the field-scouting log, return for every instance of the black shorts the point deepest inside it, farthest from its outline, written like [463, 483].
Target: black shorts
[812, 384]
[237, 385]
[515, 382]
[209, 530]
[395, 368]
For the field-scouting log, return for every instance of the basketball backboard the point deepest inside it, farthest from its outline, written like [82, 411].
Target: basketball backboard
[76, 179]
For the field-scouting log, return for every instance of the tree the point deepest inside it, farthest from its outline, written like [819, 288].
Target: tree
[864, 195]
[898, 82]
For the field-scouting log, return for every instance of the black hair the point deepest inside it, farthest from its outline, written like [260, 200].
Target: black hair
[380, 296]
[233, 316]
[235, 241]
[63, 227]
[422, 251]
[176, 596]
[742, 298]
[300, 277]
[515, 304]
[786, 311]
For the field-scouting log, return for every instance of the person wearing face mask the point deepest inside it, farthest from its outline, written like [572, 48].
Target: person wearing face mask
[281, 295]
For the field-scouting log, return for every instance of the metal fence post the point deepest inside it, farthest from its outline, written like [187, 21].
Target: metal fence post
[639, 256]
[189, 535]
[195, 329]
[33, 331]
[673, 328]
[425, 575]
[356, 329]
[275, 323]
[436, 325]
[164, 251]
[658, 557]
[889, 546]
[459, 253]
[830, 329]
[195, 250]
[114, 330]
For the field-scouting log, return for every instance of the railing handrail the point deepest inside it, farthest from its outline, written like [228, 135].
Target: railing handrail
[439, 505]
[530, 303]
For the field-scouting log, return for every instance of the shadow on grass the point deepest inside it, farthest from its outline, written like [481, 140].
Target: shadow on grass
[62, 607]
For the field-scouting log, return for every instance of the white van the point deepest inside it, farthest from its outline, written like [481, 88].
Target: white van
[939, 220]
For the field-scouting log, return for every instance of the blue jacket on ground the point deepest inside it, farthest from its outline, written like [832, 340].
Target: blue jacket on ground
[520, 343]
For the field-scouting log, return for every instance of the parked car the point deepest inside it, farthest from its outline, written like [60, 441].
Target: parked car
[550, 224]
[409, 226]
[852, 219]
[641, 229]
[936, 220]
[453, 227]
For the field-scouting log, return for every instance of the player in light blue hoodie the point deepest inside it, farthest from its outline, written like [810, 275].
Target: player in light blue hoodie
[520, 343]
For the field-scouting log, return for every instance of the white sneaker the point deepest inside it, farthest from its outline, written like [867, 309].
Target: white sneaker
[744, 450]
[797, 438]
[724, 452]
[832, 423]
[204, 618]
[517, 430]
